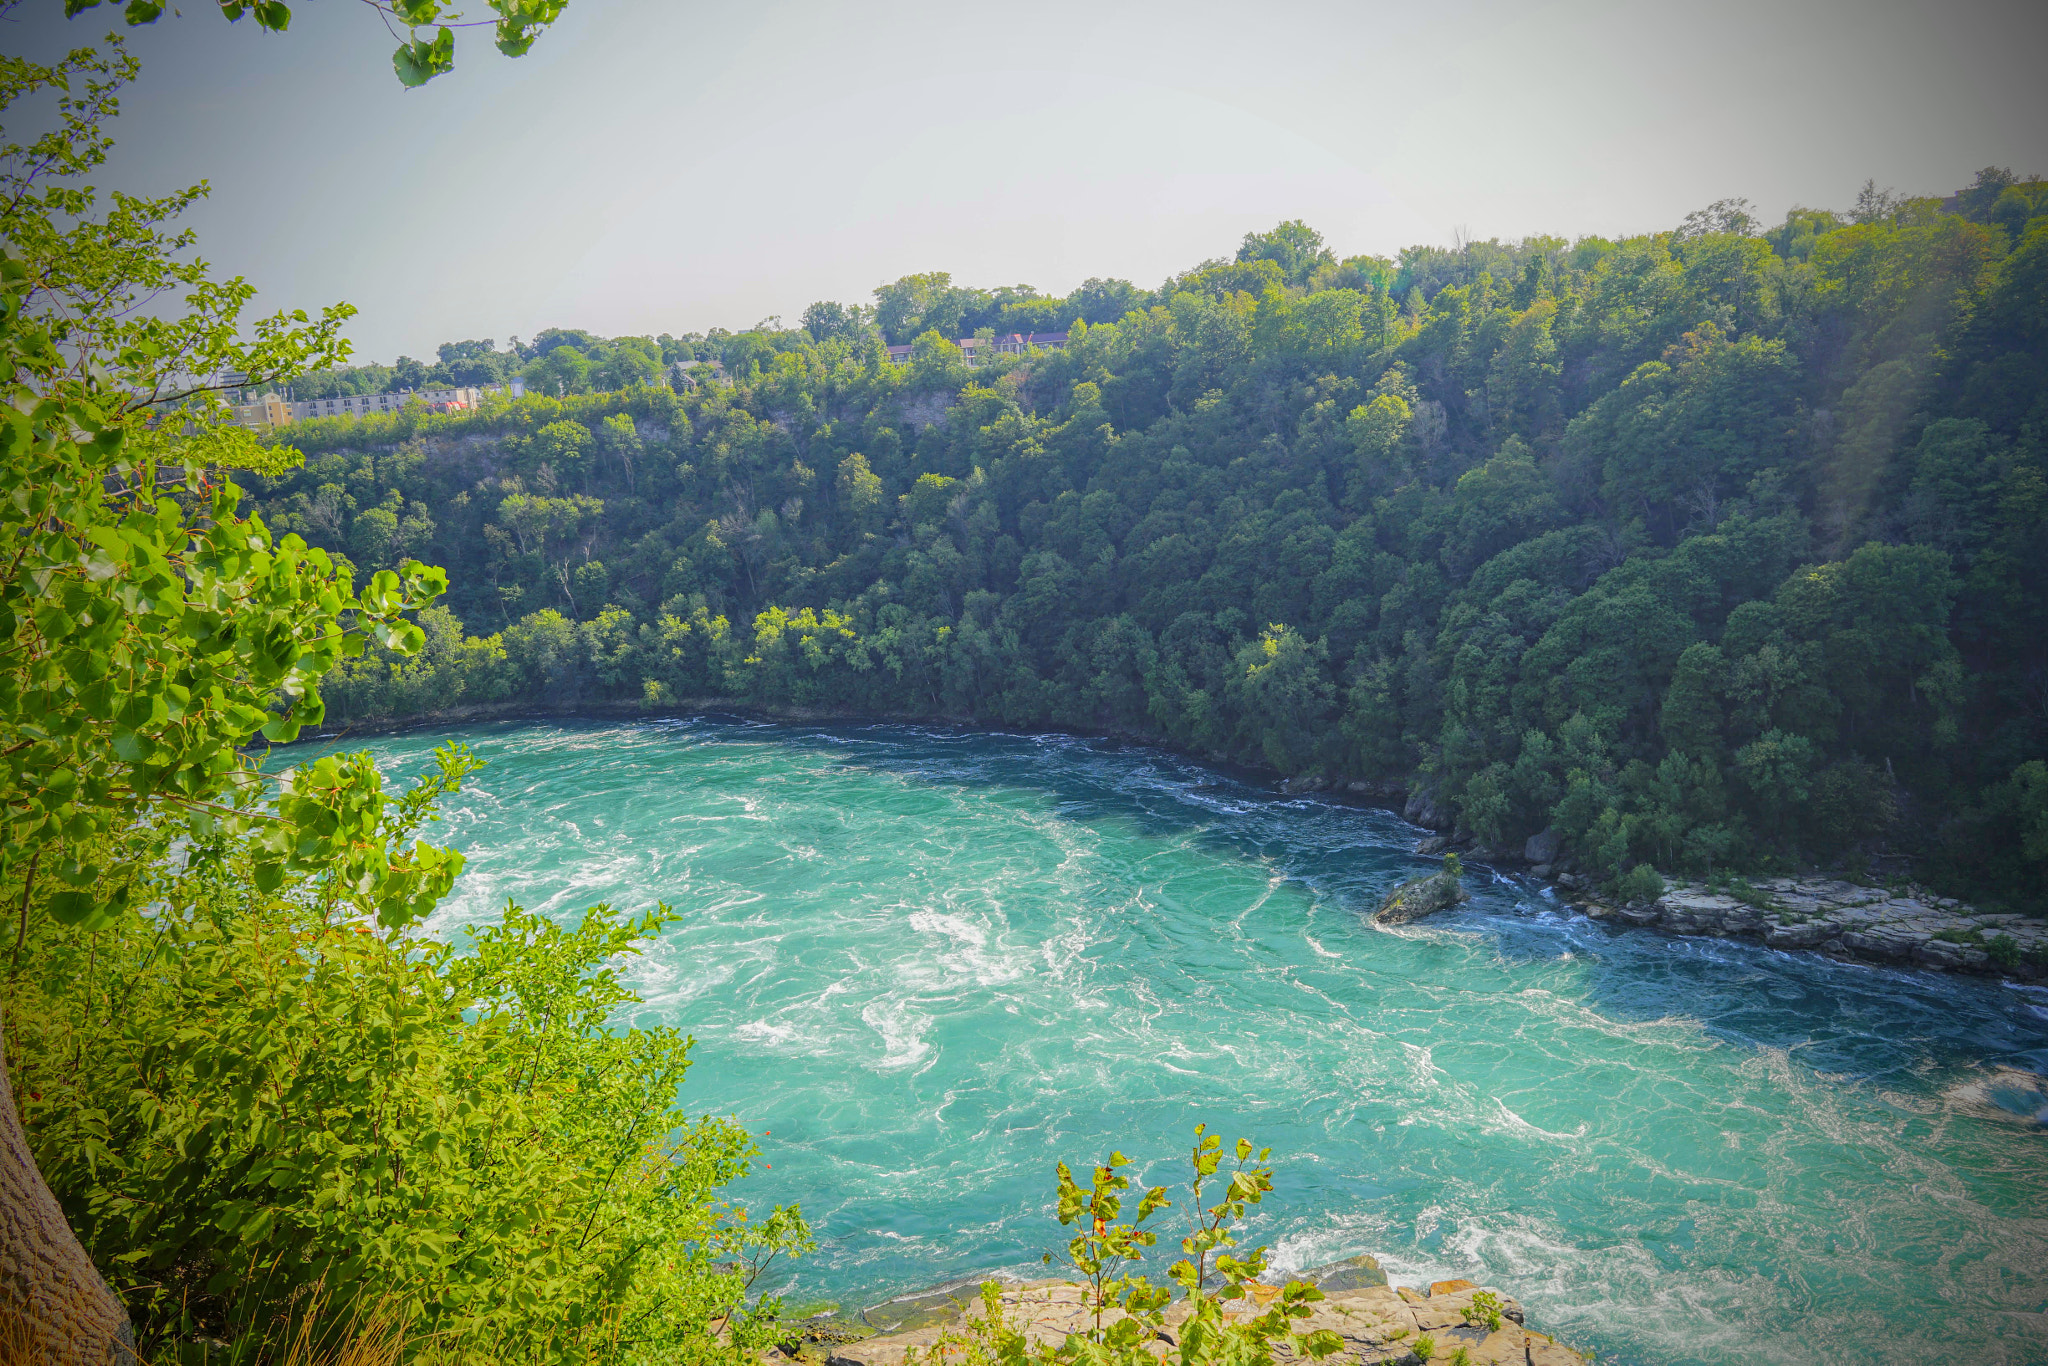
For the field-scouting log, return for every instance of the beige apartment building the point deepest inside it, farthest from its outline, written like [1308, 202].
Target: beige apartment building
[270, 411]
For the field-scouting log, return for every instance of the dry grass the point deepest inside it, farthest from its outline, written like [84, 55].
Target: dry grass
[377, 1339]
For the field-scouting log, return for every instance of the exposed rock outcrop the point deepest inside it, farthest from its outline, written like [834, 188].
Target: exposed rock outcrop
[1421, 809]
[1419, 897]
[1377, 1322]
[1870, 924]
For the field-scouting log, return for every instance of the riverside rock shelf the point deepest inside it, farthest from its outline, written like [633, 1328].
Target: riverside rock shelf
[1377, 1322]
[1841, 919]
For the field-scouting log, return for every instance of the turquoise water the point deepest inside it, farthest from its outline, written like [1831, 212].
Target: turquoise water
[929, 964]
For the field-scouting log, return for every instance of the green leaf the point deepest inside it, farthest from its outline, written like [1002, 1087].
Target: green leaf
[420, 61]
[84, 911]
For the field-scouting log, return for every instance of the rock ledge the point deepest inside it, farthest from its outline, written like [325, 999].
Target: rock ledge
[1866, 924]
[1378, 1322]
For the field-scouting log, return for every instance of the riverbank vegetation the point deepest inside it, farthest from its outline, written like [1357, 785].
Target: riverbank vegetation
[1714, 548]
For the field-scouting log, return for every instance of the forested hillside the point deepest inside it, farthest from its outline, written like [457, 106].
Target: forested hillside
[1711, 548]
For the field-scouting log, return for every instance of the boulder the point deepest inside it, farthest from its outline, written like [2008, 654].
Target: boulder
[1808, 936]
[1542, 846]
[1418, 897]
[1353, 1273]
[1421, 808]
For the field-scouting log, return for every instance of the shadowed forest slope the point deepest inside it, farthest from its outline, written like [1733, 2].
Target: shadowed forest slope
[1711, 548]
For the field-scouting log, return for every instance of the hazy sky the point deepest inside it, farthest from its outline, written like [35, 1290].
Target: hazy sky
[669, 165]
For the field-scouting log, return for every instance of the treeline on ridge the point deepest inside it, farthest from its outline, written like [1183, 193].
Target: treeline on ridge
[1715, 548]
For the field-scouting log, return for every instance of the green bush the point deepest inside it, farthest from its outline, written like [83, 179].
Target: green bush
[2004, 950]
[252, 1104]
[1640, 883]
[1126, 1311]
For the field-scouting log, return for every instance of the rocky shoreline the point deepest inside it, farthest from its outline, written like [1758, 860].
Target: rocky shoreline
[1875, 925]
[1378, 1322]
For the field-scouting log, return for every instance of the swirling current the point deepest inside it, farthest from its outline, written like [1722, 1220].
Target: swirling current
[927, 964]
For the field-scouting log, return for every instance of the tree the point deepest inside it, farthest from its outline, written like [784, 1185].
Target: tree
[860, 495]
[418, 59]
[619, 440]
[1284, 693]
[148, 631]
[901, 307]
[564, 448]
[562, 370]
[829, 321]
[1102, 301]
[1722, 216]
[548, 527]
[1293, 246]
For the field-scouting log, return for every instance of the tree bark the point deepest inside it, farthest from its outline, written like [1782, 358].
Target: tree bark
[47, 1283]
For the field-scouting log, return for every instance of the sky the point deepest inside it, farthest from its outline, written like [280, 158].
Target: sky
[672, 166]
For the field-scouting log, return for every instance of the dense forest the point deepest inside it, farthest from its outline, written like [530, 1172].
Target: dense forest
[1718, 548]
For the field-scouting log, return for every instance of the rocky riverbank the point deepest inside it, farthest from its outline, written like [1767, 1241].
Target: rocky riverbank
[1378, 1322]
[1864, 924]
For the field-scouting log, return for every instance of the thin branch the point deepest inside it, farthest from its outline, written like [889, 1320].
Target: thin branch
[28, 885]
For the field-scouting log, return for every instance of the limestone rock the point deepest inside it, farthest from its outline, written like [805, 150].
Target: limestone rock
[1418, 897]
[1378, 1323]
[1874, 924]
[1542, 846]
[1421, 809]
[1353, 1273]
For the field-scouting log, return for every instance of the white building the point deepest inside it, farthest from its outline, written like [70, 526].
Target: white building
[973, 348]
[268, 411]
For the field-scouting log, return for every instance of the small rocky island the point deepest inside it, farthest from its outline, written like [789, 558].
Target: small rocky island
[1426, 895]
[1378, 1322]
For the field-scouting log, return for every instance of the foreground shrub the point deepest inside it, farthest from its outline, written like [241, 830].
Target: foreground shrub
[1641, 883]
[257, 1110]
[1127, 1310]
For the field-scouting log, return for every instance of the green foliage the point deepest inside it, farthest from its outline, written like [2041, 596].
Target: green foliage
[1126, 1309]
[1484, 1311]
[248, 1098]
[1708, 549]
[1640, 884]
[151, 631]
[1742, 890]
[418, 59]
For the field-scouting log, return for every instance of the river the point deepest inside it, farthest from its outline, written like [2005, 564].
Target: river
[926, 964]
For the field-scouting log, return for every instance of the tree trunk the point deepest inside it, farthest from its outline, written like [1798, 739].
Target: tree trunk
[47, 1283]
